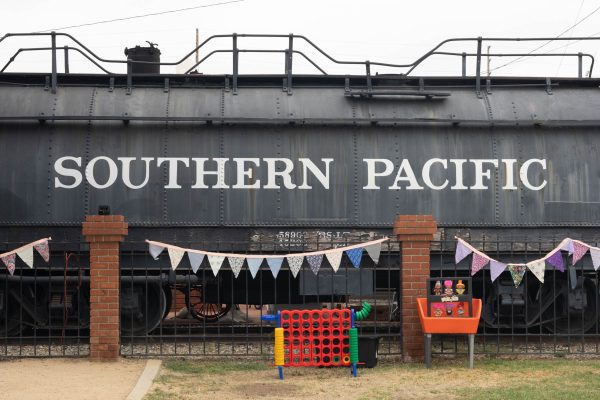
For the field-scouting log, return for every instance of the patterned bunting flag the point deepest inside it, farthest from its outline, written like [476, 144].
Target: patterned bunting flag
[215, 263]
[236, 264]
[567, 246]
[314, 261]
[579, 250]
[538, 268]
[254, 265]
[556, 260]
[295, 264]
[461, 251]
[43, 249]
[496, 268]
[275, 265]
[9, 261]
[175, 255]
[374, 250]
[27, 256]
[478, 263]
[355, 255]
[155, 250]
[195, 260]
[517, 272]
[334, 259]
[595, 253]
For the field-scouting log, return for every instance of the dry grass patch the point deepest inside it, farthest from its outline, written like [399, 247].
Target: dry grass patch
[492, 378]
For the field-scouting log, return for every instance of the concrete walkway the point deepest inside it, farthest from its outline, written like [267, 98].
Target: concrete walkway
[74, 379]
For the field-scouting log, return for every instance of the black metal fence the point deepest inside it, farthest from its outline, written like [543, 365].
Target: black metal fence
[181, 313]
[44, 310]
[559, 316]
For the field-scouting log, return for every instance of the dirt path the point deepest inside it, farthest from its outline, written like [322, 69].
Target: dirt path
[67, 379]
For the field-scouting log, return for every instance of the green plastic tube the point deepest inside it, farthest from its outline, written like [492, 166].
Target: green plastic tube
[364, 312]
[353, 334]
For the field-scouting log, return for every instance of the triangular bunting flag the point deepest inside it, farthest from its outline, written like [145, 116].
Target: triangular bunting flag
[355, 256]
[334, 258]
[9, 261]
[579, 250]
[215, 263]
[175, 255]
[254, 265]
[567, 246]
[595, 253]
[155, 250]
[461, 251]
[27, 256]
[195, 260]
[556, 260]
[538, 268]
[517, 272]
[295, 264]
[43, 249]
[478, 263]
[314, 261]
[496, 268]
[373, 251]
[236, 264]
[275, 265]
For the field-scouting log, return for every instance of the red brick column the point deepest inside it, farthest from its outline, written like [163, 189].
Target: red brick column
[104, 232]
[416, 233]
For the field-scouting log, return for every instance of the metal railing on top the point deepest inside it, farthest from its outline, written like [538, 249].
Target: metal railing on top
[290, 51]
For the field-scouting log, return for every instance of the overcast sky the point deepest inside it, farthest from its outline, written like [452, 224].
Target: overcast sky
[388, 31]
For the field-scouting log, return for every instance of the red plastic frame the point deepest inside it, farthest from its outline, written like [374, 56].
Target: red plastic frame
[316, 338]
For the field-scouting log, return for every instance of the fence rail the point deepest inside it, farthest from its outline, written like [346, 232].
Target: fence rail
[556, 317]
[176, 313]
[44, 311]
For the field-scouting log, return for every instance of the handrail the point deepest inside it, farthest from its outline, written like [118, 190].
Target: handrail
[67, 48]
[408, 68]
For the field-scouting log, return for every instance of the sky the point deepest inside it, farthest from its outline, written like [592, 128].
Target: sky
[386, 31]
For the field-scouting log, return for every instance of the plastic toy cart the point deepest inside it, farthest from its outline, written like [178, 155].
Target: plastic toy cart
[452, 326]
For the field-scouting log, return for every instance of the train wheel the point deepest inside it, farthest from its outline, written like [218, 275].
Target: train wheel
[574, 310]
[209, 312]
[143, 307]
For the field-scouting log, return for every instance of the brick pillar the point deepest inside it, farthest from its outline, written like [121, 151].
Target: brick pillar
[104, 233]
[416, 233]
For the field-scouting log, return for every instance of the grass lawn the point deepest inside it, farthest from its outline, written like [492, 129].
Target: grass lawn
[492, 378]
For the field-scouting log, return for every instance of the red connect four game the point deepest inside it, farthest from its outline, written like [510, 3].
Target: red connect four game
[315, 338]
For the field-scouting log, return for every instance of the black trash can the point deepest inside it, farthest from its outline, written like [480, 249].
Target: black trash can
[368, 345]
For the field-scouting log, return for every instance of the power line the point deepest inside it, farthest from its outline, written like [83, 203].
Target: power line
[549, 41]
[141, 16]
[570, 35]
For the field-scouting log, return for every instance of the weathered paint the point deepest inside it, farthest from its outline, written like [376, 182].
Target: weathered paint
[530, 159]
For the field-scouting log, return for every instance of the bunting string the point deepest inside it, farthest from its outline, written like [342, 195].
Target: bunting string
[25, 253]
[295, 260]
[575, 248]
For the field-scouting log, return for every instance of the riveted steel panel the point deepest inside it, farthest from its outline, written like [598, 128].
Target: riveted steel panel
[258, 126]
